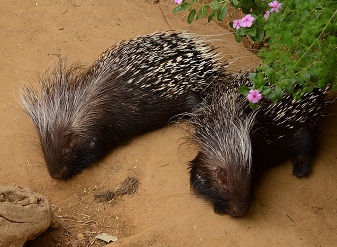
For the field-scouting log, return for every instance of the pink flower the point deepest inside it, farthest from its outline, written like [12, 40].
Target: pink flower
[178, 1]
[275, 6]
[266, 15]
[236, 24]
[254, 96]
[247, 21]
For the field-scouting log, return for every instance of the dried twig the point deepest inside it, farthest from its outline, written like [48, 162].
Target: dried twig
[288, 216]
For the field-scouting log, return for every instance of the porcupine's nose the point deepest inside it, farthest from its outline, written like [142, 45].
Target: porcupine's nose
[62, 174]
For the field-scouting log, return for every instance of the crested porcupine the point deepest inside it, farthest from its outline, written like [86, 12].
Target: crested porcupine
[236, 143]
[134, 87]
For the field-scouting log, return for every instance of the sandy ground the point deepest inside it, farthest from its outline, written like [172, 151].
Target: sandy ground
[286, 211]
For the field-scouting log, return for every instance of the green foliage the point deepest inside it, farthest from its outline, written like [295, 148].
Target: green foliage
[301, 39]
[216, 8]
[302, 47]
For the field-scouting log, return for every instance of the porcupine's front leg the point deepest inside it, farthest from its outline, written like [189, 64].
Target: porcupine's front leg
[304, 151]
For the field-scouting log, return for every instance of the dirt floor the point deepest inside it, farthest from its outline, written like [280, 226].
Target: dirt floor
[163, 212]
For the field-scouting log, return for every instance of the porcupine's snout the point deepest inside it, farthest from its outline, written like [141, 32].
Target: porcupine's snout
[226, 188]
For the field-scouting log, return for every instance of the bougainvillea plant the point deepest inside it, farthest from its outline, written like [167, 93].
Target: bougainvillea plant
[300, 41]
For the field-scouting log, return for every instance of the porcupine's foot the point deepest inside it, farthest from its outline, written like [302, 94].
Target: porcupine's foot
[302, 164]
[304, 151]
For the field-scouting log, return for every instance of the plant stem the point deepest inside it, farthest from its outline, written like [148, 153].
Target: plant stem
[317, 38]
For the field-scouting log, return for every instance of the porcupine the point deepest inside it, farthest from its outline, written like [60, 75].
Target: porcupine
[134, 87]
[236, 143]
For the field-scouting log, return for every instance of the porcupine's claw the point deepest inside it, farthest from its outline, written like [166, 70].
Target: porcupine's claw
[301, 166]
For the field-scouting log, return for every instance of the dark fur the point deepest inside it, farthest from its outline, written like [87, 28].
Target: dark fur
[134, 87]
[288, 129]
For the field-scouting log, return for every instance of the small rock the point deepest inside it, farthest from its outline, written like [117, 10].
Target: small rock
[80, 236]
[106, 237]
[24, 215]
[78, 243]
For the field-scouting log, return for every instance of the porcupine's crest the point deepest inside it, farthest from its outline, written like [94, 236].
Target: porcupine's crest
[289, 113]
[225, 158]
[171, 57]
[70, 111]
[228, 132]
[54, 108]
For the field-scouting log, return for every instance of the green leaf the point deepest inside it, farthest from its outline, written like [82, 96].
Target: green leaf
[177, 9]
[222, 12]
[235, 2]
[252, 32]
[210, 17]
[278, 92]
[304, 75]
[242, 31]
[214, 5]
[259, 79]
[185, 6]
[245, 10]
[243, 90]
[290, 89]
[272, 96]
[180, 7]
[334, 84]
[259, 35]
[238, 38]
[252, 76]
[265, 90]
[260, 88]
[297, 97]
[191, 16]
[202, 12]
[322, 83]
[247, 4]
[253, 106]
[268, 70]
[334, 87]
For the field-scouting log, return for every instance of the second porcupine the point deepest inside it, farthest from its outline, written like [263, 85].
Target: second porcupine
[134, 87]
[236, 143]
